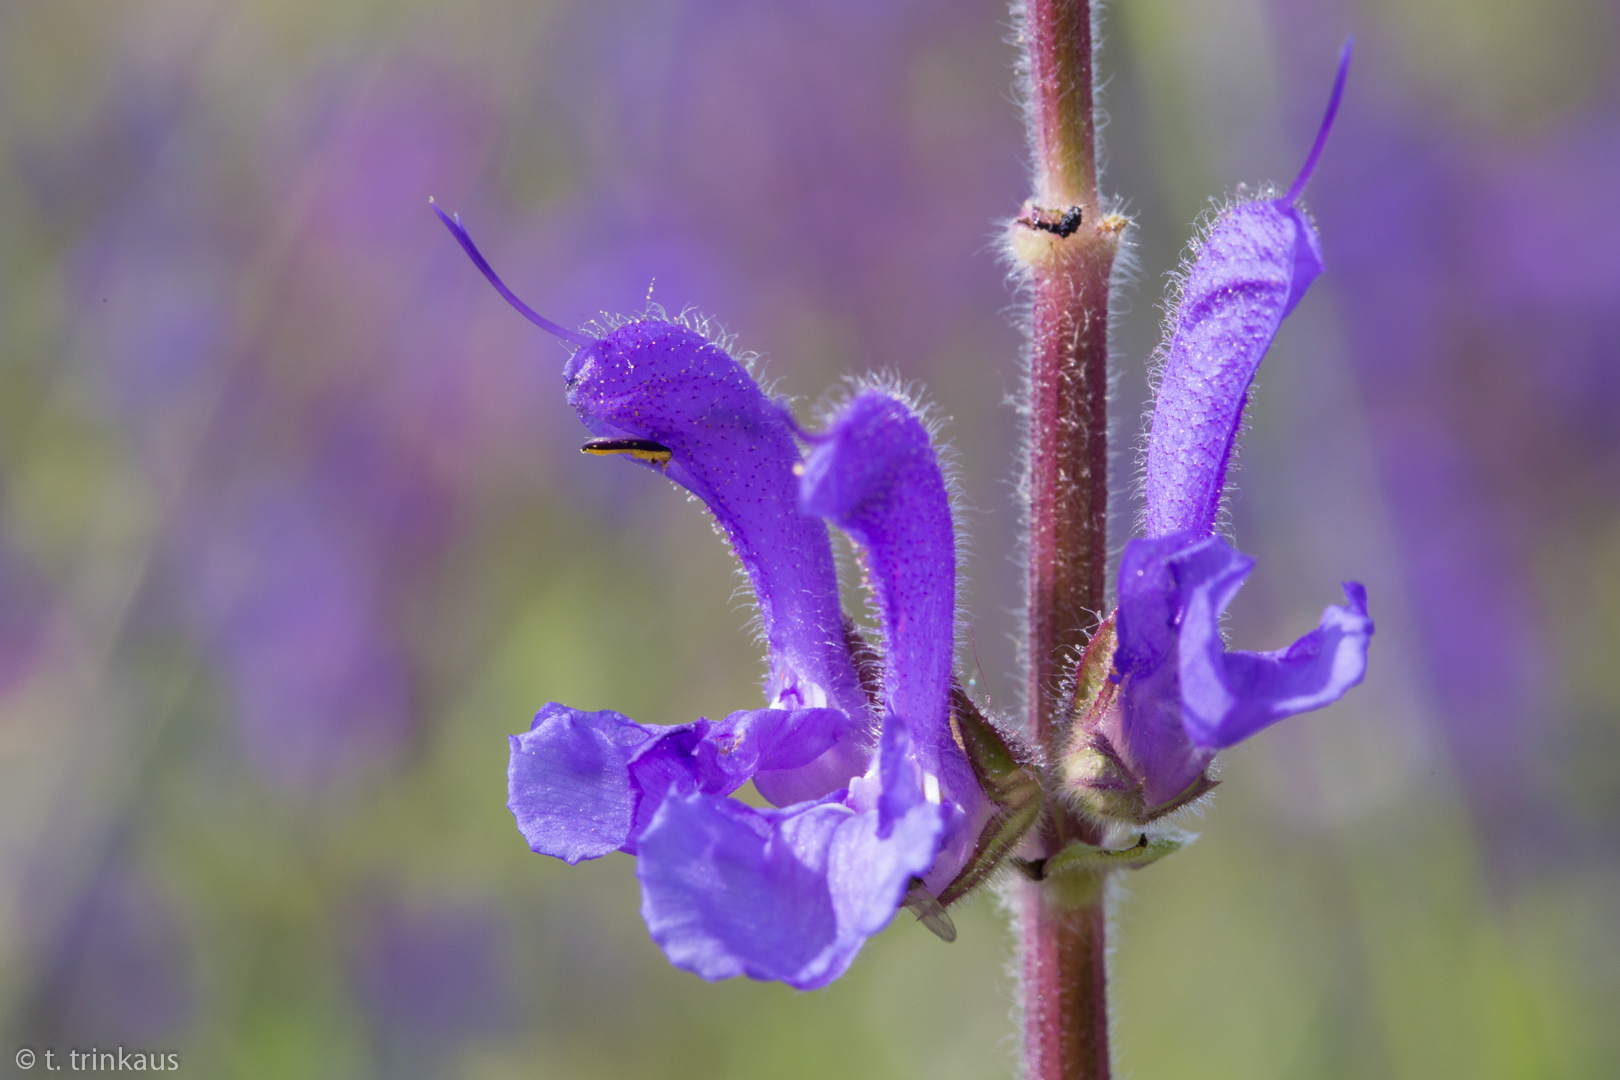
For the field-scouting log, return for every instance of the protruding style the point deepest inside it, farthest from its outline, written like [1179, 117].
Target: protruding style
[1250, 272]
[460, 233]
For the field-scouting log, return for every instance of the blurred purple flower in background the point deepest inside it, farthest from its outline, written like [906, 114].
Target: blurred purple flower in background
[315, 456]
[433, 977]
[291, 609]
[117, 966]
[1477, 272]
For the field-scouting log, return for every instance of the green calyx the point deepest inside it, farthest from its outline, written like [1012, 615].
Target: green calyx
[1007, 775]
[1083, 858]
[1076, 874]
[1096, 781]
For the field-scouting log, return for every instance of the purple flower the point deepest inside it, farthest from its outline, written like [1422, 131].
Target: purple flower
[792, 894]
[789, 893]
[117, 959]
[1146, 735]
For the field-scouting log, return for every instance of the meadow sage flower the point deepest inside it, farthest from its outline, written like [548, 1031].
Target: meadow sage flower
[874, 797]
[1146, 734]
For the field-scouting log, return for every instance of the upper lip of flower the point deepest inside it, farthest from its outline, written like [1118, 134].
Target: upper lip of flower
[1252, 268]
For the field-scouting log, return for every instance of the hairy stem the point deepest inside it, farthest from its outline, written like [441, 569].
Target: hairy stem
[1065, 984]
[1067, 247]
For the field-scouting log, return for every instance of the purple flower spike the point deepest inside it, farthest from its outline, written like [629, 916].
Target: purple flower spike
[1253, 268]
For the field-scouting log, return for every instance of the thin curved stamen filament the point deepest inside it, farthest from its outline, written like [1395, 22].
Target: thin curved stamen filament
[1327, 123]
[460, 233]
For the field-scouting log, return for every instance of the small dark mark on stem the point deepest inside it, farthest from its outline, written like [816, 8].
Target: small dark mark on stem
[1048, 219]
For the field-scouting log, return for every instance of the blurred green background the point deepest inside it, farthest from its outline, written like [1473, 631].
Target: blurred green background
[294, 530]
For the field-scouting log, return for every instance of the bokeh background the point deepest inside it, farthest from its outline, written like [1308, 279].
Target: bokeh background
[294, 530]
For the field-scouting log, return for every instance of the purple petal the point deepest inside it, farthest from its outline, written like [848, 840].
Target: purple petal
[1228, 696]
[1253, 268]
[875, 475]
[734, 448]
[1184, 696]
[584, 784]
[789, 895]
[806, 758]
[568, 782]
[1150, 738]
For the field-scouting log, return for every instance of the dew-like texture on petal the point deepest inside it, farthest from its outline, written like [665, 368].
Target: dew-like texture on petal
[733, 447]
[582, 784]
[876, 476]
[1253, 269]
[789, 895]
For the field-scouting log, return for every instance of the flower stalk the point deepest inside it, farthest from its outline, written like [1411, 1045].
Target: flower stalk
[1066, 245]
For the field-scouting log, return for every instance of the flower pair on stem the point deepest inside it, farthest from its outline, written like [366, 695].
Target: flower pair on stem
[887, 787]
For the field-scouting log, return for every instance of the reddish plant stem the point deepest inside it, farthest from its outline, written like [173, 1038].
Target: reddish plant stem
[1066, 985]
[1056, 36]
[1068, 465]
[1069, 257]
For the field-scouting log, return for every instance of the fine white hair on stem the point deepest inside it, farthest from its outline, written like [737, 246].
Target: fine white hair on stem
[1123, 273]
[1023, 88]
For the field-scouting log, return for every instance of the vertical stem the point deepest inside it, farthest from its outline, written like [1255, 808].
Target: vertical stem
[1067, 247]
[1068, 417]
[1065, 975]
[1056, 36]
